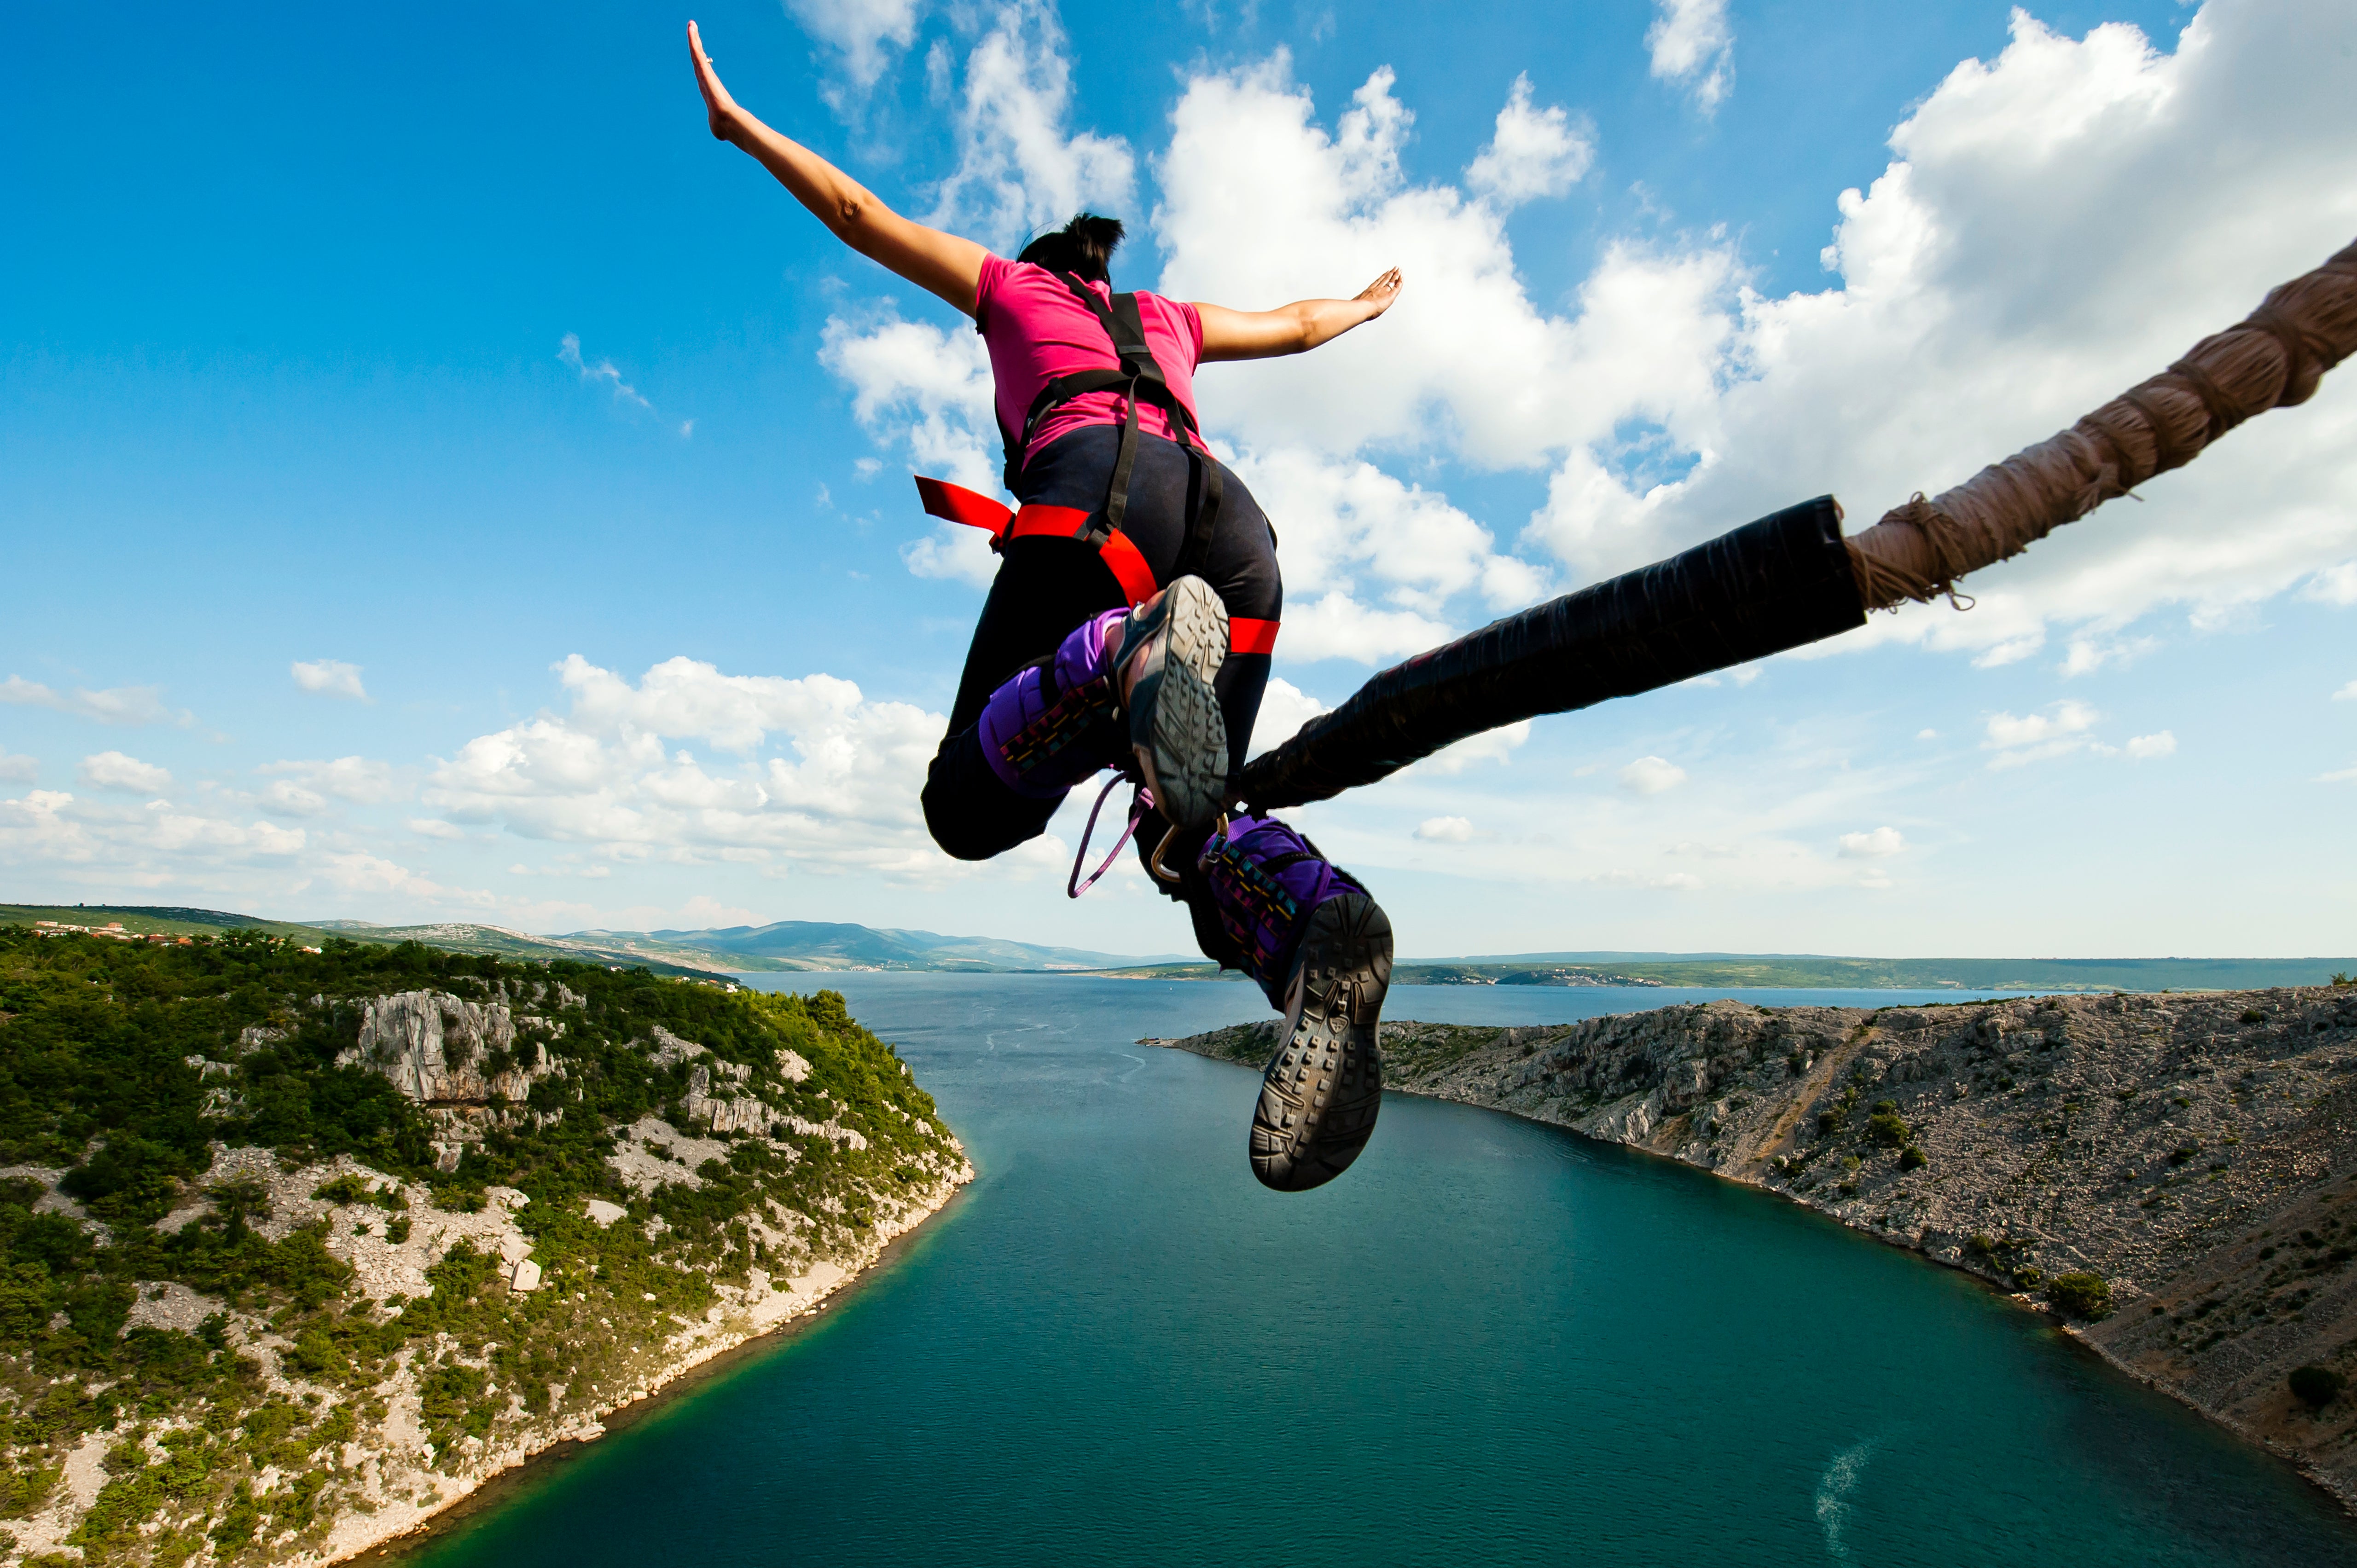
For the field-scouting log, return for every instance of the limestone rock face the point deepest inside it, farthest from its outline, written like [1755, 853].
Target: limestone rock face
[432, 1045]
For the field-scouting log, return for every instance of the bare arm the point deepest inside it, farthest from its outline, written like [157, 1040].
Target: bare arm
[940, 263]
[1293, 328]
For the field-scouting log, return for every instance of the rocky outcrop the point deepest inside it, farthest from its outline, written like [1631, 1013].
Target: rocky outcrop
[470, 1064]
[436, 1047]
[2198, 1152]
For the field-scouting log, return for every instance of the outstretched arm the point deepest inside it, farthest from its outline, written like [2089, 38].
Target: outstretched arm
[1293, 328]
[940, 263]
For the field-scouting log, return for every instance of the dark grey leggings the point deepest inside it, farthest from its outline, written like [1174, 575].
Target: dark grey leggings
[1045, 587]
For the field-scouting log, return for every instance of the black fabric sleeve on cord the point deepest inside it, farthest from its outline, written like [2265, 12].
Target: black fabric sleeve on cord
[1767, 587]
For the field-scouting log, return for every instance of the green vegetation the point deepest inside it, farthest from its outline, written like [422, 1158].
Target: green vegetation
[2080, 1296]
[131, 1067]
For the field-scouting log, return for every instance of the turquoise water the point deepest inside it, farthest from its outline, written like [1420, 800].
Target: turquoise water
[1490, 1342]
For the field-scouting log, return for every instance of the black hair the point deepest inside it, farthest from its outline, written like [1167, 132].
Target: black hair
[1085, 246]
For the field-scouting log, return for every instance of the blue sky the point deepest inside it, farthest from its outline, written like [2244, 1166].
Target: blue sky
[343, 586]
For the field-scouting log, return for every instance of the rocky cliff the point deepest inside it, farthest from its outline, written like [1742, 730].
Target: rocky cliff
[297, 1248]
[2175, 1175]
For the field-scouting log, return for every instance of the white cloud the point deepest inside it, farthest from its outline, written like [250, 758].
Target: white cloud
[1348, 530]
[1651, 776]
[1880, 843]
[2148, 745]
[2333, 584]
[2087, 654]
[358, 780]
[114, 770]
[837, 789]
[2346, 776]
[1017, 171]
[113, 705]
[434, 828]
[1284, 709]
[63, 837]
[2053, 224]
[2347, 693]
[331, 678]
[1927, 735]
[918, 387]
[2033, 737]
[1691, 43]
[19, 770]
[866, 33]
[1534, 153]
[568, 352]
[1445, 830]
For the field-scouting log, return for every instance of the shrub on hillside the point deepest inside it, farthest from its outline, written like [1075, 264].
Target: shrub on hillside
[2080, 1295]
[2315, 1386]
[1887, 1130]
[1911, 1158]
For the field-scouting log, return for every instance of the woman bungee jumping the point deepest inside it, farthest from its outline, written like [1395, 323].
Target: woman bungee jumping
[1130, 622]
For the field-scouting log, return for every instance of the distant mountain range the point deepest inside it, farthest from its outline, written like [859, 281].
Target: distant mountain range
[818, 946]
[784, 945]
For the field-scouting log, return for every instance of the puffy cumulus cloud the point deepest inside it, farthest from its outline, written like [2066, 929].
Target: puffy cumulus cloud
[927, 392]
[2347, 693]
[1882, 841]
[1534, 153]
[19, 770]
[1692, 44]
[2142, 748]
[1352, 532]
[330, 678]
[109, 705]
[1262, 204]
[56, 833]
[2058, 223]
[2063, 728]
[1017, 170]
[863, 34]
[1445, 830]
[815, 775]
[2055, 224]
[1284, 709]
[114, 770]
[1652, 776]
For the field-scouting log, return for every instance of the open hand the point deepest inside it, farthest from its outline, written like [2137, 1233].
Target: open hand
[1381, 293]
[719, 109]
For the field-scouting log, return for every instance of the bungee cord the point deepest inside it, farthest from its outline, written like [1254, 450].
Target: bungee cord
[1792, 578]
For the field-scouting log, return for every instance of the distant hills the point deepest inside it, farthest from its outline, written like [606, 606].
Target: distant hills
[818, 946]
[784, 945]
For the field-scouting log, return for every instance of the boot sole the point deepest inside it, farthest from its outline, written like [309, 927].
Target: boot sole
[1177, 730]
[1322, 1089]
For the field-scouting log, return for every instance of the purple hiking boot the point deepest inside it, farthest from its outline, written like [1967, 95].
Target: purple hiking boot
[1060, 720]
[1322, 948]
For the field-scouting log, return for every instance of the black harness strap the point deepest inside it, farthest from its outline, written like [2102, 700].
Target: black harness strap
[1138, 379]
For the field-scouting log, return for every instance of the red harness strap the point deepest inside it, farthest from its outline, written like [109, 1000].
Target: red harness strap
[955, 503]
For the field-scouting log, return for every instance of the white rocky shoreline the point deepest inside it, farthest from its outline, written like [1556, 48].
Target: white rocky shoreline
[2196, 1153]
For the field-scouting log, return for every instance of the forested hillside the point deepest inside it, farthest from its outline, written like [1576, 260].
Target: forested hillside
[300, 1244]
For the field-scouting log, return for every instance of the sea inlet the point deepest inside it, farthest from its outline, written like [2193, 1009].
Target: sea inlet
[1490, 1342]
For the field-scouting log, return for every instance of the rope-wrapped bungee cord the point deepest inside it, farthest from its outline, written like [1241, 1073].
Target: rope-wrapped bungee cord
[1791, 579]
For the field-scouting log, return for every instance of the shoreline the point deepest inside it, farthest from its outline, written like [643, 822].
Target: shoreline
[515, 1471]
[2135, 1152]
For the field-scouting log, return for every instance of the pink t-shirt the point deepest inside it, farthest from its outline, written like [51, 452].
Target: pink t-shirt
[1037, 331]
